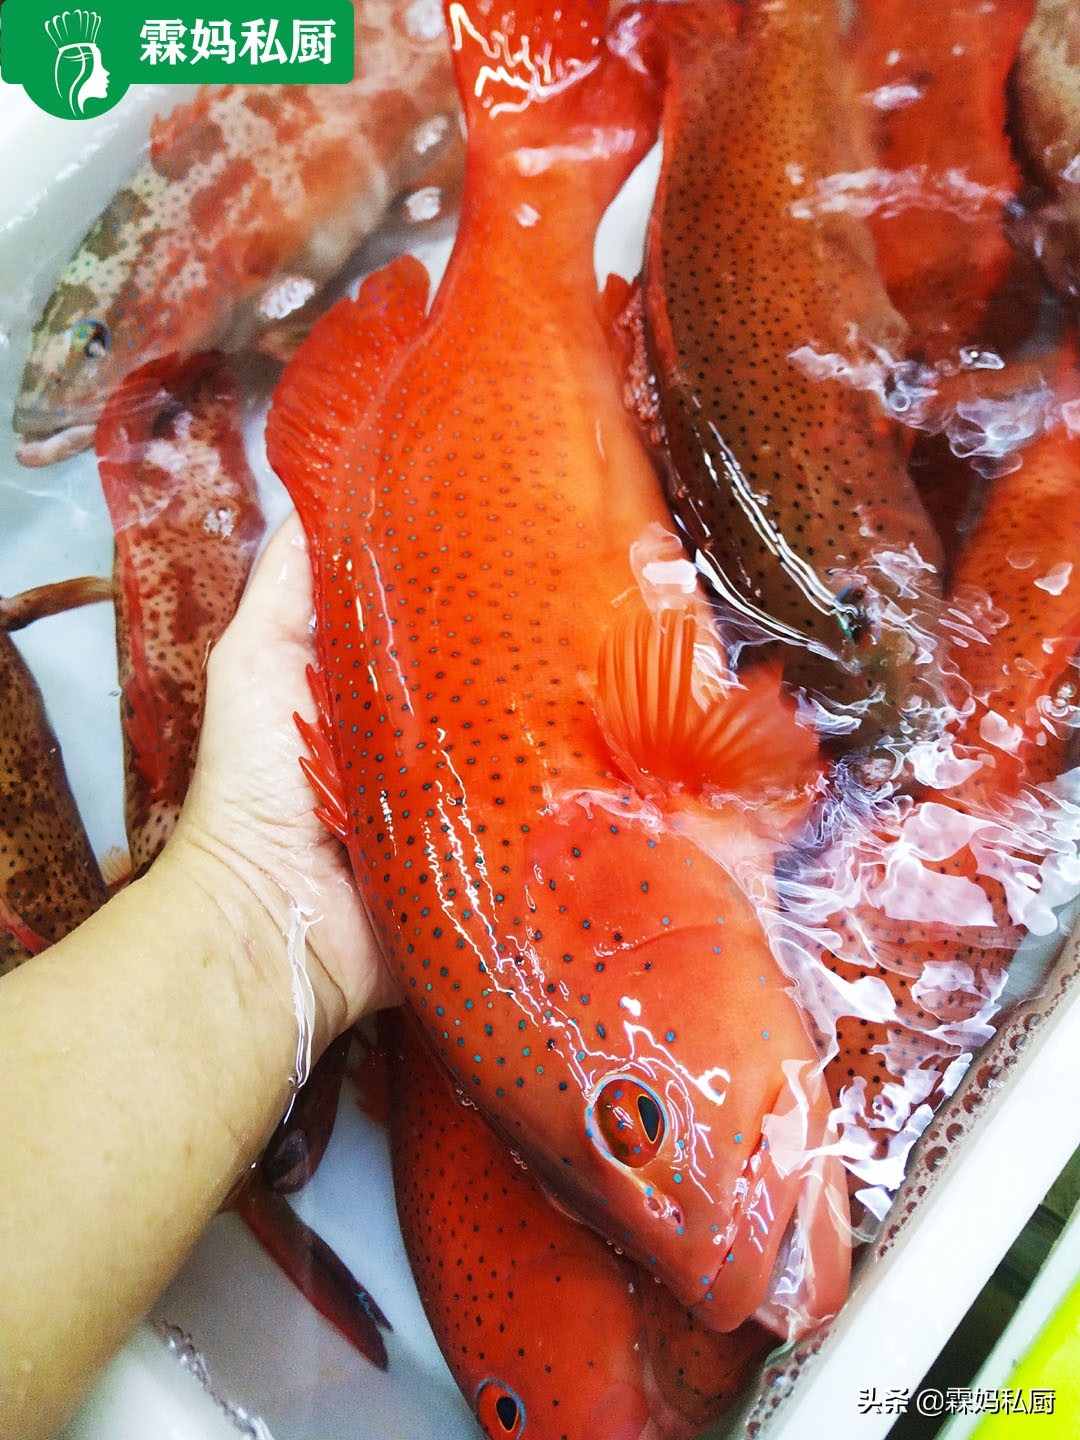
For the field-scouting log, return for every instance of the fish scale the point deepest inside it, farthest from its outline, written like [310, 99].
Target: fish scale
[49, 878]
[471, 509]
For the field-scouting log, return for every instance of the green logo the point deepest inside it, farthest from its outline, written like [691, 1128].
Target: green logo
[68, 74]
[79, 63]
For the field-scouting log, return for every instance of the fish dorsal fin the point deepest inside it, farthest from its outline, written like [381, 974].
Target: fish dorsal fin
[335, 377]
[677, 721]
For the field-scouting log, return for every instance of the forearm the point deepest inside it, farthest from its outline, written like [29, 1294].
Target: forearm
[148, 1055]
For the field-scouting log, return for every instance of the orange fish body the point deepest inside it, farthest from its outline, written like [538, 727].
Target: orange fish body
[698, 1375]
[934, 86]
[548, 1331]
[1024, 553]
[594, 976]
[1018, 583]
[768, 331]
[187, 525]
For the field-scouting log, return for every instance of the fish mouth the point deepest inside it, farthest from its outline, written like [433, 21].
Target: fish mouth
[50, 450]
[812, 1269]
[788, 1240]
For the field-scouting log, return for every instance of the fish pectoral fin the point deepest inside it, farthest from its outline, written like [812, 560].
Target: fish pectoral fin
[336, 376]
[321, 764]
[677, 720]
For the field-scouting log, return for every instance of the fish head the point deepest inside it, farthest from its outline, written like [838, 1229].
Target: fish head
[75, 360]
[707, 1120]
[102, 320]
[694, 1121]
[579, 1376]
[550, 1344]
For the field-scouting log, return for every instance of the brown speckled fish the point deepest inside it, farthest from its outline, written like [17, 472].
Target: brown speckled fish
[934, 90]
[252, 198]
[49, 878]
[1046, 116]
[546, 788]
[187, 524]
[771, 338]
[550, 1334]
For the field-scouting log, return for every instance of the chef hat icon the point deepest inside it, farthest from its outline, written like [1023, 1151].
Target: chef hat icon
[80, 74]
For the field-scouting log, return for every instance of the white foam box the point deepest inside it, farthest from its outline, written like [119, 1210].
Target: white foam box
[231, 1347]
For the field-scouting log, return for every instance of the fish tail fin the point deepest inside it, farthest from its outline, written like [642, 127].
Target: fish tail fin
[148, 397]
[335, 377]
[552, 68]
[156, 402]
[676, 720]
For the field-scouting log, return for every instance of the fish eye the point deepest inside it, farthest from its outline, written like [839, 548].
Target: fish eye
[499, 1411]
[92, 338]
[855, 614]
[631, 1121]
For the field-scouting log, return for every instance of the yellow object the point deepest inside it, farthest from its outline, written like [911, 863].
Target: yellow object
[1052, 1364]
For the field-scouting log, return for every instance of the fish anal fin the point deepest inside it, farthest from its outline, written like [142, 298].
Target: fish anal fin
[335, 377]
[677, 721]
[320, 765]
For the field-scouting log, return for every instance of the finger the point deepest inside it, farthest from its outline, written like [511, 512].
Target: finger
[278, 596]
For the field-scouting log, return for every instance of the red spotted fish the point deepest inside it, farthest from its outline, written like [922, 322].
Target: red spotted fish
[549, 1333]
[49, 878]
[933, 82]
[187, 524]
[772, 339]
[949, 888]
[251, 199]
[539, 778]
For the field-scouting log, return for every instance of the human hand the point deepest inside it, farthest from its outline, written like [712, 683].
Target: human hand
[248, 820]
